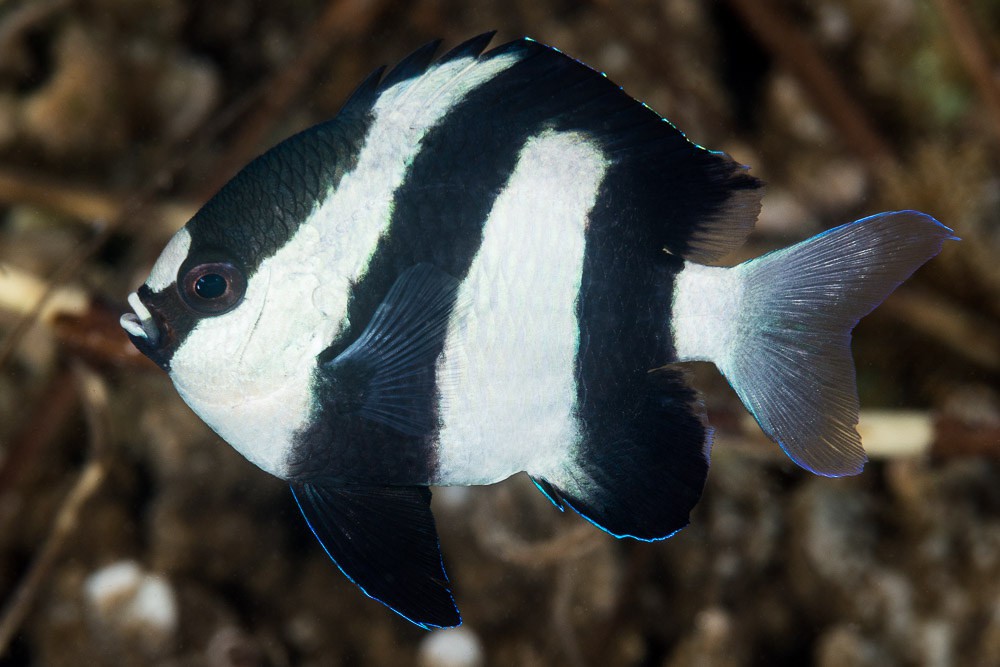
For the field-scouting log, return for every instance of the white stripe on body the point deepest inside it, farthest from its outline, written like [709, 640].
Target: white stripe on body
[248, 373]
[507, 393]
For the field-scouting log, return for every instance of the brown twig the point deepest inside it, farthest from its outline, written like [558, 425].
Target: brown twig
[56, 403]
[33, 189]
[128, 214]
[93, 393]
[86, 328]
[91, 206]
[20, 603]
[57, 278]
[974, 55]
[792, 49]
[96, 337]
[20, 292]
[957, 438]
[969, 336]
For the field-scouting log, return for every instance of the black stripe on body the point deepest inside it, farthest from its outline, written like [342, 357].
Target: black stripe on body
[439, 212]
[256, 213]
[644, 442]
[438, 216]
[661, 192]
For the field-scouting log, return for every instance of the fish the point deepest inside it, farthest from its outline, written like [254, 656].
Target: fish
[496, 262]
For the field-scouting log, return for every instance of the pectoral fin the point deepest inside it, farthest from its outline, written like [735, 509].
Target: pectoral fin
[383, 538]
[387, 374]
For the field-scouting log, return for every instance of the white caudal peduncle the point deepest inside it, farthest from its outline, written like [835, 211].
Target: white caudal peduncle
[706, 310]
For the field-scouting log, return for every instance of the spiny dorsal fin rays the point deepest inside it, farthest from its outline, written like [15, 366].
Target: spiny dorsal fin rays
[409, 72]
[413, 66]
[420, 70]
[420, 61]
[361, 100]
[471, 48]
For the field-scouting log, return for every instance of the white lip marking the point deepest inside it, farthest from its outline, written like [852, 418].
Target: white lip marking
[140, 323]
[130, 323]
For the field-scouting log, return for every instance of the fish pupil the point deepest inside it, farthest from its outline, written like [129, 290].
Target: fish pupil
[210, 286]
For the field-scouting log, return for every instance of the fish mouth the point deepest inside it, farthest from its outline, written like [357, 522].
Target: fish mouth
[139, 324]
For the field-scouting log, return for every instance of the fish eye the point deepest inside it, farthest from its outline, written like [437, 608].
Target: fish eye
[213, 288]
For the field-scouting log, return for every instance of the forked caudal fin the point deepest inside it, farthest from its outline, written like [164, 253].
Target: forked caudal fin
[779, 328]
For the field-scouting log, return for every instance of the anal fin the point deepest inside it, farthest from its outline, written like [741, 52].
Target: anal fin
[383, 538]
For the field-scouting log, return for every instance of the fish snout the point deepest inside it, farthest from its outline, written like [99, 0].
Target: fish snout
[146, 327]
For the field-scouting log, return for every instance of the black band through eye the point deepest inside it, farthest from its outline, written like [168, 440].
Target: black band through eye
[213, 288]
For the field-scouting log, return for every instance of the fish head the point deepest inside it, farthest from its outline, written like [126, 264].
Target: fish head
[196, 309]
[229, 301]
[205, 318]
[238, 343]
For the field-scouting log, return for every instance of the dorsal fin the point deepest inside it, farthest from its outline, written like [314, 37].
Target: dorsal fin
[364, 96]
[697, 204]
[470, 48]
[413, 65]
[476, 111]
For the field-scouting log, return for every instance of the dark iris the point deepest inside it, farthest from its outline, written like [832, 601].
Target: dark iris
[210, 286]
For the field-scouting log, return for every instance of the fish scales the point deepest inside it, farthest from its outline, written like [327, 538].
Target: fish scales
[512, 351]
[492, 263]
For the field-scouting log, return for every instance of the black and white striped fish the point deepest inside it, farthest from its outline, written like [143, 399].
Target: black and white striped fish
[486, 264]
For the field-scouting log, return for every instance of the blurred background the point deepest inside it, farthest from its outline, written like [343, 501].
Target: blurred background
[130, 535]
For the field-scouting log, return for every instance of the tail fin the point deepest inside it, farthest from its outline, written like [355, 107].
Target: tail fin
[779, 328]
